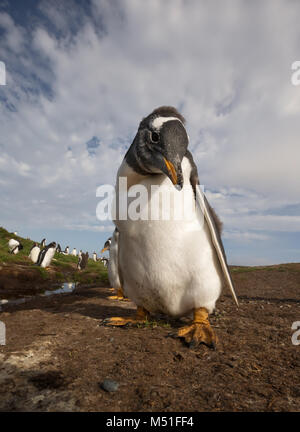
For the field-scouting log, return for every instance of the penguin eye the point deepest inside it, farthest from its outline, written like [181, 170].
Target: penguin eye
[154, 137]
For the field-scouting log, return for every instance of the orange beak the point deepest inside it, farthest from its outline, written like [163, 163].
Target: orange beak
[104, 249]
[171, 170]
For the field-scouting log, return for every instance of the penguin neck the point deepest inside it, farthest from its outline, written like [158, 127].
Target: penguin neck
[130, 174]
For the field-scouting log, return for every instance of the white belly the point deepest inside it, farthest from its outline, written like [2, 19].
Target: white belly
[169, 266]
[113, 271]
[34, 254]
[48, 257]
[12, 244]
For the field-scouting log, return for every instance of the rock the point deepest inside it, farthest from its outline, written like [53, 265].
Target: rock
[109, 385]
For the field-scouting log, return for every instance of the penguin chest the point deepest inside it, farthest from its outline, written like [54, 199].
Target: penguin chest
[166, 264]
[48, 257]
[34, 254]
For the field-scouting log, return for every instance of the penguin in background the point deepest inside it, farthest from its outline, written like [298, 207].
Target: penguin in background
[46, 255]
[82, 260]
[111, 245]
[104, 261]
[106, 246]
[58, 248]
[74, 252]
[95, 257]
[14, 246]
[150, 250]
[43, 243]
[34, 253]
[80, 253]
[66, 251]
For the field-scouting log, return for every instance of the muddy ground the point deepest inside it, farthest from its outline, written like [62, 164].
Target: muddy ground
[57, 355]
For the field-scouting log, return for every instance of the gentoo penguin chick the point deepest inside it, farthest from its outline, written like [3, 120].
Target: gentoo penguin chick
[58, 248]
[34, 253]
[95, 256]
[172, 266]
[14, 246]
[43, 243]
[111, 245]
[82, 260]
[46, 255]
[74, 252]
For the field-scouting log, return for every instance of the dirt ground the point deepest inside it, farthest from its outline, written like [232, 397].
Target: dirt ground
[57, 353]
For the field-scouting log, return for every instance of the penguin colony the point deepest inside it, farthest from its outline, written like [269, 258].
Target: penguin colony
[42, 255]
[174, 267]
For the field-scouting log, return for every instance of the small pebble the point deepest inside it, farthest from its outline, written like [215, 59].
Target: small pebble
[109, 385]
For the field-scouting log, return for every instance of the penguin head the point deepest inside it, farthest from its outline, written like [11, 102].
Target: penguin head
[106, 245]
[160, 144]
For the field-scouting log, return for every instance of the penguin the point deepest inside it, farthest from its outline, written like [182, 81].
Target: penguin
[74, 252]
[43, 243]
[82, 260]
[111, 245]
[34, 253]
[66, 251]
[95, 256]
[104, 261]
[58, 248]
[173, 266]
[106, 246]
[46, 255]
[80, 253]
[14, 246]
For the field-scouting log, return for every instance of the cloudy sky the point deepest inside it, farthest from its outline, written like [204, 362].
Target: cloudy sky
[80, 75]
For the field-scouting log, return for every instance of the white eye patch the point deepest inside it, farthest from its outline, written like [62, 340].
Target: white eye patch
[159, 121]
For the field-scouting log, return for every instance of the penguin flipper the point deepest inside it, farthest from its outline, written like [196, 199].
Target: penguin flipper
[215, 236]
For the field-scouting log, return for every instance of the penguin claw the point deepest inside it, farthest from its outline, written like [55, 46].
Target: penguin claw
[197, 334]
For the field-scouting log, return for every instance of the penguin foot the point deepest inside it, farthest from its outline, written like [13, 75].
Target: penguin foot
[119, 296]
[141, 316]
[199, 332]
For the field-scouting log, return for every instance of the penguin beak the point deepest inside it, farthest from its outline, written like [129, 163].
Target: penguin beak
[172, 147]
[171, 171]
[104, 249]
[171, 167]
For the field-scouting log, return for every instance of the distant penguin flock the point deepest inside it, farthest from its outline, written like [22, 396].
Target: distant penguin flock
[42, 254]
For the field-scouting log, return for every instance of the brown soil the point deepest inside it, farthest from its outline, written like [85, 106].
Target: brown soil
[57, 355]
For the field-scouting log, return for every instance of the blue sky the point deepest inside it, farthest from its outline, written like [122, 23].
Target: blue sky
[82, 74]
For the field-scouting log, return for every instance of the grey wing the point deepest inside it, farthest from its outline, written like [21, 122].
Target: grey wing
[215, 236]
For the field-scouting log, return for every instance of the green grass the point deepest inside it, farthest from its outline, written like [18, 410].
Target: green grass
[279, 268]
[64, 265]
